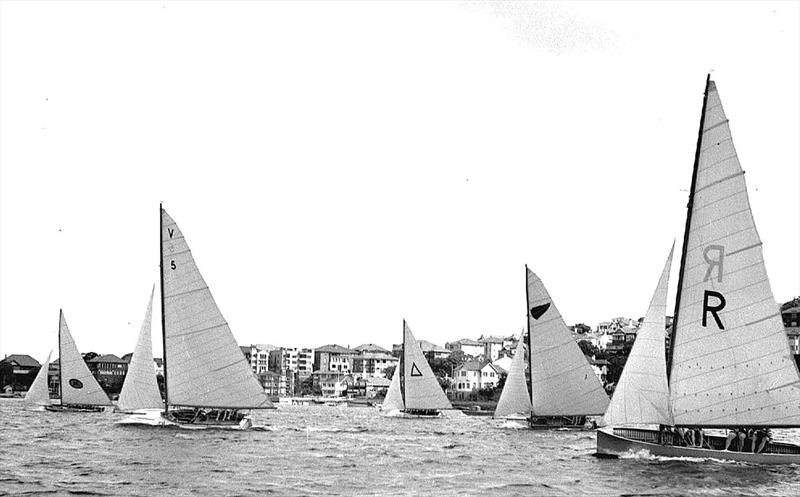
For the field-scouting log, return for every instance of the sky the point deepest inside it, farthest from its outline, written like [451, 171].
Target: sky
[337, 167]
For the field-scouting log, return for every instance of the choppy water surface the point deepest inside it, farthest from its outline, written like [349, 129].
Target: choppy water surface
[321, 450]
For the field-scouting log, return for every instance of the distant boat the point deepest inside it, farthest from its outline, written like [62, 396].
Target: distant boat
[140, 390]
[563, 388]
[207, 381]
[79, 390]
[414, 391]
[730, 365]
[39, 392]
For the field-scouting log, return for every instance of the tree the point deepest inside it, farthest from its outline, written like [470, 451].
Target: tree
[389, 372]
[501, 381]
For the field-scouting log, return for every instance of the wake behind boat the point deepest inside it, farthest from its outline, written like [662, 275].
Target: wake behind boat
[563, 390]
[730, 366]
[207, 381]
[414, 391]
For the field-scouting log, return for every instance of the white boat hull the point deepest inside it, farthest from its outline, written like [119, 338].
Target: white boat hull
[611, 443]
[155, 417]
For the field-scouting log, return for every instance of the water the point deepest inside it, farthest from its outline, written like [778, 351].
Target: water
[331, 451]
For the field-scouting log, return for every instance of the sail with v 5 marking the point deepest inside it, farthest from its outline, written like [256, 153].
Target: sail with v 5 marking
[78, 386]
[642, 394]
[204, 366]
[563, 382]
[140, 390]
[420, 388]
[515, 398]
[39, 392]
[730, 362]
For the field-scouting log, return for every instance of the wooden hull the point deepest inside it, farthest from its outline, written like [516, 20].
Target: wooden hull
[60, 408]
[157, 417]
[620, 442]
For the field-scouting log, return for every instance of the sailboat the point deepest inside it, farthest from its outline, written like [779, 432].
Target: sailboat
[140, 390]
[414, 391]
[729, 365]
[207, 381]
[563, 388]
[79, 390]
[39, 392]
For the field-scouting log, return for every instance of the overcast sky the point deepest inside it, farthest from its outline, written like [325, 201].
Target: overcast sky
[337, 167]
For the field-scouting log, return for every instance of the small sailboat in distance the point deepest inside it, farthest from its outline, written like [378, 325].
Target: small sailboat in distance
[140, 390]
[414, 391]
[729, 365]
[207, 381]
[39, 391]
[79, 390]
[563, 388]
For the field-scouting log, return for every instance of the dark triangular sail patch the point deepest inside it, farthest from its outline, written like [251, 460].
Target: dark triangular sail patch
[415, 370]
[536, 312]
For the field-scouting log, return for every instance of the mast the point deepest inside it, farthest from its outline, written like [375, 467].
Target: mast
[528, 342]
[60, 360]
[687, 228]
[163, 326]
[402, 366]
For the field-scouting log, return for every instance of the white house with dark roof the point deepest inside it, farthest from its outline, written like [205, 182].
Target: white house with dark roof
[470, 348]
[429, 349]
[473, 376]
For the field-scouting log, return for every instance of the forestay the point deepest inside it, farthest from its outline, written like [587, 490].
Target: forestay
[515, 398]
[420, 388]
[394, 398]
[731, 363]
[642, 395]
[78, 386]
[204, 365]
[39, 393]
[563, 382]
[140, 390]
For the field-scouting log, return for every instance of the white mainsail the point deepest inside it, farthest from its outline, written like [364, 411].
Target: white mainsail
[204, 366]
[140, 390]
[394, 398]
[39, 392]
[563, 382]
[642, 394]
[78, 386]
[515, 398]
[731, 363]
[421, 389]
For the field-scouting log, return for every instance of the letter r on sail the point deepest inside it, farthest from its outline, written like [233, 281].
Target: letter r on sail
[714, 310]
[712, 263]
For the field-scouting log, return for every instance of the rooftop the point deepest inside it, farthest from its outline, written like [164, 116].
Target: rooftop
[468, 341]
[370, 347]
[23, 360]
[490, 339]
[108, 358]
[333, 349]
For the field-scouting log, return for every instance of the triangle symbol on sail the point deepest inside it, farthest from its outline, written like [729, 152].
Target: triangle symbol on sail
[415, 370]
[536, 312]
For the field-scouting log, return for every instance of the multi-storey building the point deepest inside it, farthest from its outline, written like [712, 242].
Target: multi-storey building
[492, 346]
[333, 358]
[373, 364]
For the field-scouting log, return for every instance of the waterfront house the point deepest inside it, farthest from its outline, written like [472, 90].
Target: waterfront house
[332, 384]
[492, 346]
[473, 376]
[373, 364]
[18, 370]
[333, 358]
[470, 348]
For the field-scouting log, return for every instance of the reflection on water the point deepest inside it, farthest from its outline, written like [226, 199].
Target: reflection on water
[321, 450]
